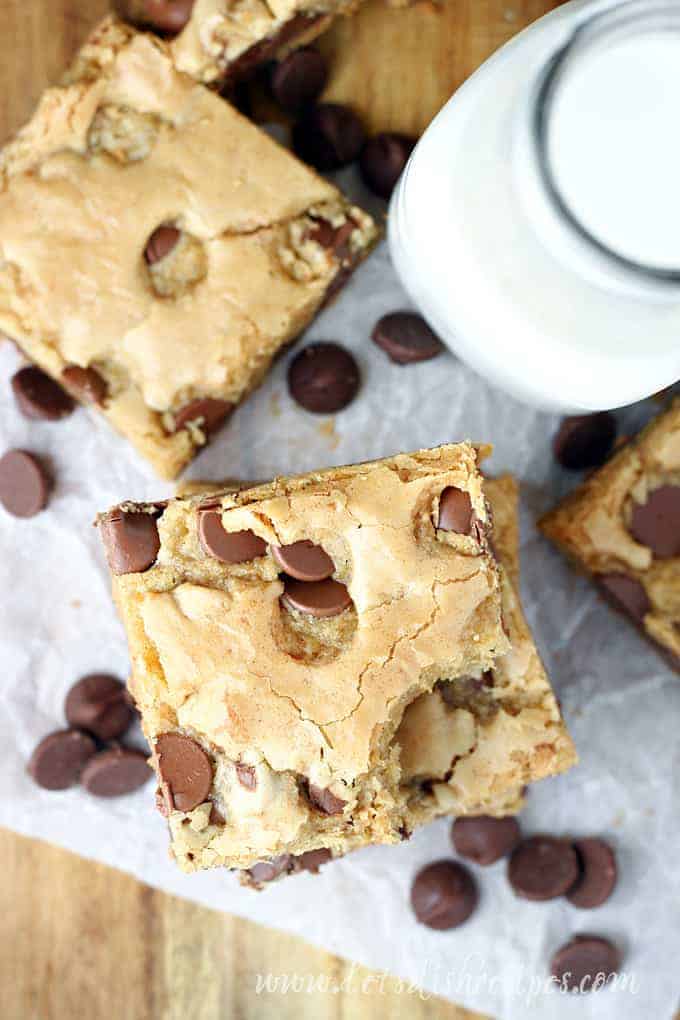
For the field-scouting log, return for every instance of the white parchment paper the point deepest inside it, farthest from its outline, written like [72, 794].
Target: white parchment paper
[621, 703]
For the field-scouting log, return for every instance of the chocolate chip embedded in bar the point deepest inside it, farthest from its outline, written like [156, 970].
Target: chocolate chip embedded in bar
[277, 637]
[622, 528]
[206, 216]
[223, 41]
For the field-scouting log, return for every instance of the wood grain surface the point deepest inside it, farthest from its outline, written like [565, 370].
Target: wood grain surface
[83, 942]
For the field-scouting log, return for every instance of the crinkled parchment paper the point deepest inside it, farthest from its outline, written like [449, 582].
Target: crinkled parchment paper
[621, 703]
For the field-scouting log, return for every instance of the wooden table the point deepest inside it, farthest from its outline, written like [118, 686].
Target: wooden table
[82, 941]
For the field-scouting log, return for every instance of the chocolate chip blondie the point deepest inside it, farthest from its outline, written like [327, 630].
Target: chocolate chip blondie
[279, 633]
[156, 249]
[622, 527]
[215, 40]
[471, 744]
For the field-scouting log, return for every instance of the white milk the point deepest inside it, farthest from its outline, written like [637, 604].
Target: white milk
[537, 224]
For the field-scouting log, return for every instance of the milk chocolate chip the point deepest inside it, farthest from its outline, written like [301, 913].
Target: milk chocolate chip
[656, 523]
[484, 839]
[24, 483]
[406, 338]
[317, 598]
[185, 768]
[115, 772]
[585, 440]
[131, 541]
[323, 378]
[304, 560]
[38, 396]
[443, 895]
[167, 16]
[59, 758]
[328, 136]
[542, 868]
[627, 593]
[382, 160]
[597, 873]
[227, 546]
[86, 384]
[585, 963]
[208, 413]
[161, 243]
[99, 704]
[455, 511]
[299, 78]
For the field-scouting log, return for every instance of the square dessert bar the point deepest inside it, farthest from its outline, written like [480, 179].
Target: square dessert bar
[156, 249]
[471, 744]
[622, 527]
[217, 40]
[277, 635]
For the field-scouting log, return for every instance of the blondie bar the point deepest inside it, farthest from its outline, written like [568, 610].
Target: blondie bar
[156, 249]
[471, 745]
[277, 635]
[218, 41]
[622, 527]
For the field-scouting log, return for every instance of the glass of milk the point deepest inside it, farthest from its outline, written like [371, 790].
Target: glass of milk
[537, 224]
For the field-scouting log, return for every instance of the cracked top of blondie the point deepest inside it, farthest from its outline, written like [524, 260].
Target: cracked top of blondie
[622, 526]
[156, 248]
[278, 633]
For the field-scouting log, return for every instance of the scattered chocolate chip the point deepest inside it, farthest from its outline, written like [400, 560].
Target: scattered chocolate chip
[325, 801]
[267, 871]
[24, 484]
[304, 560]
[332, 238]
[115, 772]
[318, 598]
[207, 412]
[131, 541]
[312, 860]
[597, 873]
[656, 523]
[627, 593]
[455, 511]
[162, 802]
[161, 243]
[585, 440]
[328, 136]
[443, 895]
[98, 703]
[227, 546]
[382, 160]
[484, 839]
[86, 384]
[542, 868]
[39, 397]
[215, 817]
[167, 16]
[185, 768]
[323, 378]
[59, 758]
[585, 963]
[246, 776]
[299, 78]
[406, 338]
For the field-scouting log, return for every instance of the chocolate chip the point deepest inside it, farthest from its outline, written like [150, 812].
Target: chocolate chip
[208, 412]
[24, 484]
[585, 440]
[299, 78]
[406, 338]
[328, 136]
[332, 238]
[304, 560]
[86, 384]
[185, 768]
[484, 839]
[246, 776]
[317, 598]
[131, 541]
[267, 871]
[382, 160]
[227, 546]
[215, 817]
[162, 804]
[167, 16]
[585, 963]
[98, 703]
[59, 759]
[542, 868]
[323, 378]
[597, 873]
[325, 801]
[312, 860]
[38, 396]
[115, 772]
[626, 593]
[656, 523]
[455, 511]
[443, 895]
[161, 243]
